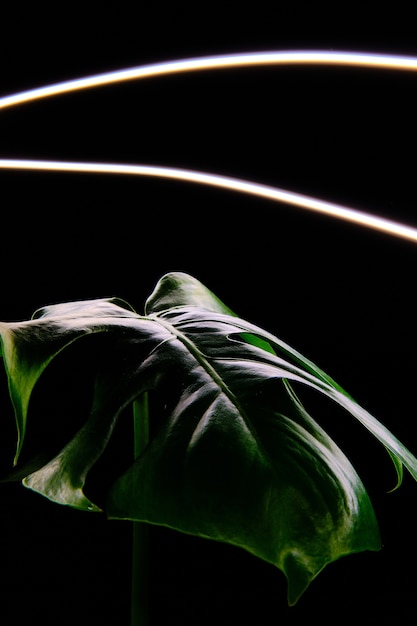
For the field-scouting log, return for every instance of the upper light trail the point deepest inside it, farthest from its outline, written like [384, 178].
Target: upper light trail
[230, 61]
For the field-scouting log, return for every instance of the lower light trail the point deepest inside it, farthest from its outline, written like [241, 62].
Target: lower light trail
[223, 182]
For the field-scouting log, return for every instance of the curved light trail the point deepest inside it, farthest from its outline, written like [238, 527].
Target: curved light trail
[224, 182]
[230, 61]
[221, 62]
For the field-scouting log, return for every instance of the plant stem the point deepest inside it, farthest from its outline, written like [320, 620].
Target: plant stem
[140, 539]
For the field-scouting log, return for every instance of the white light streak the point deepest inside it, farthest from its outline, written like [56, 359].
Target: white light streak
[223, 182]
[221, 62]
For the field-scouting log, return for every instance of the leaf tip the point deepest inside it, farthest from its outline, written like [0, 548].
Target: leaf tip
[298, 578]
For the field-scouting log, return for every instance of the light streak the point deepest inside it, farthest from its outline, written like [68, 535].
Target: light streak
[219, 62]
[223, 182]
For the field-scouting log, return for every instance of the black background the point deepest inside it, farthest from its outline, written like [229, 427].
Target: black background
[340, 294]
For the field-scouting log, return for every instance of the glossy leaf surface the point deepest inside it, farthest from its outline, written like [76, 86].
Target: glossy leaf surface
[235, 457]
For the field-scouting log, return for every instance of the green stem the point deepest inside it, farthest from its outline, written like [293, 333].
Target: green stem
[140, 541]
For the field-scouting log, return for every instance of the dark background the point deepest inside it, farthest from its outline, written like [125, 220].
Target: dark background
[342, 295]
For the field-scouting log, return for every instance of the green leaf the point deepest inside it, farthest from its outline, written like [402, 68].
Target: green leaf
[235, 456]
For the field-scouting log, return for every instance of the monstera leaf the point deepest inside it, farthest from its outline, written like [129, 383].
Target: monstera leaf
[233, 454]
